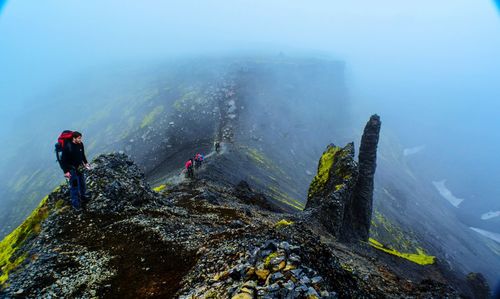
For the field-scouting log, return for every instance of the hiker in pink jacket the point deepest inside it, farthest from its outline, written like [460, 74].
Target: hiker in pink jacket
[189, 169]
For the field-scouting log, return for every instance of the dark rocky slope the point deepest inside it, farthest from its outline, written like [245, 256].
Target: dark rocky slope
[200, 239]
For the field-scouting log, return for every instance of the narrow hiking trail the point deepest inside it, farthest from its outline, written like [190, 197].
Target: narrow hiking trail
[181, 177]
[227, 102]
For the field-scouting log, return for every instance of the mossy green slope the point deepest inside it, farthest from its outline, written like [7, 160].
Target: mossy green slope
[420, 257]
[396, 240]
[10, 258]
[324, 167]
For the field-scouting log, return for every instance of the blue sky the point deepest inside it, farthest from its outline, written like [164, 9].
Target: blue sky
[2, 3]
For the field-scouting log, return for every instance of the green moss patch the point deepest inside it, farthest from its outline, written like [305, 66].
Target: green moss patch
[9, 259]
[420, 257]
[159, 188]
[59, 204]
[267, 260]
[390, 233]
[285, 198]
[258, 156]
[263, 162]
[338, 187]
[283, 223]
[151, 116]
[325, 164]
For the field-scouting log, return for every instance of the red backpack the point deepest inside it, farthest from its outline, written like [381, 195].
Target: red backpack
[65, 137]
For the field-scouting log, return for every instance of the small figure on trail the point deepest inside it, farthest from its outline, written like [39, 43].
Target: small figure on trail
[189, 169]
[198, 160]
[73, 161]
[217, 146]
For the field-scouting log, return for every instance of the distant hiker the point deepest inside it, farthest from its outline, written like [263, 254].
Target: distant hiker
[198, 160]
[217, 146]
[189, 169]
[73, 161]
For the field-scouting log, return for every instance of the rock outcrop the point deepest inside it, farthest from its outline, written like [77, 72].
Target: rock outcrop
[331, 189]
[340, 195]
[358, 214]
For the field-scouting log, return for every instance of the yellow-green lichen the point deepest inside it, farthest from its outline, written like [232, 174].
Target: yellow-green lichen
[285, 198]
[12, 242]
[346, 267]
[211, 294]
[283, 223]
[151, 116]
[267, 260]
[391, 234]
[420, 257]
[59, 204]
[325, 164]
[257, 156]
[159, 188]
[261, 160]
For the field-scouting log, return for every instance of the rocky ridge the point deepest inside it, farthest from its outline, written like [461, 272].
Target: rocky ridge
[202, 239]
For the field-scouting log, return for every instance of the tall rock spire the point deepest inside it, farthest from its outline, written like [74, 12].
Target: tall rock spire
[341, 194]
[358, 214]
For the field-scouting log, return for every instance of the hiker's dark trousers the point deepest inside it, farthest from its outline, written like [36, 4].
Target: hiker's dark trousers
[77, 188]
[190, 173]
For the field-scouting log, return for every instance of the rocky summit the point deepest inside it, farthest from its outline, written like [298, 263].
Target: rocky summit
[208, 238]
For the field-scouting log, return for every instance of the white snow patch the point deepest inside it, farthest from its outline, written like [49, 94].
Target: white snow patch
[446, 193]
[490, 235]
[490, 215]
[413, 150]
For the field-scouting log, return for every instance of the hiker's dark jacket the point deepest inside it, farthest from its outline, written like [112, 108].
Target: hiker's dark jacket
[73, 156]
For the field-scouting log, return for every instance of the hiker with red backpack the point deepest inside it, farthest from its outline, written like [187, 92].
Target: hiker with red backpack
[189, 168]
[71, 157]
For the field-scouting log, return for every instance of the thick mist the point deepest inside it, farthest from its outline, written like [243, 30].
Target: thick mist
[429, 69]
